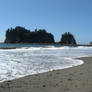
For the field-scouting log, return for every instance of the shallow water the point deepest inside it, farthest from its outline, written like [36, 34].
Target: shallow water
[29, 59]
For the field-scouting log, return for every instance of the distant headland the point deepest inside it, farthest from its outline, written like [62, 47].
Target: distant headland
[21, 35]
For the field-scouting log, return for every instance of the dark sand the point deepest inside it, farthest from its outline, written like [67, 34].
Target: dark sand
[76, 79]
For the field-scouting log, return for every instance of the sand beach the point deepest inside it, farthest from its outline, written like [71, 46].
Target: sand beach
[75, 79]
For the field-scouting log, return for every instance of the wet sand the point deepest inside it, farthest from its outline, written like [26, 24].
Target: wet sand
[75, 79]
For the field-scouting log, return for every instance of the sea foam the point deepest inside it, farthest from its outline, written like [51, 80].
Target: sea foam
[28, 60]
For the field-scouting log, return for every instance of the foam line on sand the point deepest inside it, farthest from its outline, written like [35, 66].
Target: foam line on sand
[75, 79]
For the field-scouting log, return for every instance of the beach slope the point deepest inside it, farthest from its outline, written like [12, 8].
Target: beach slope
[75, 79]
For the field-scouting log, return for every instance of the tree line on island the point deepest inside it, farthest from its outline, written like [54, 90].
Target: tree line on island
[22, 35]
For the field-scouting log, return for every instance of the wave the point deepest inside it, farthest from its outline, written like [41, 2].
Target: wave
[55, 47]
[15, 70]
[29, 60]
[46, 47]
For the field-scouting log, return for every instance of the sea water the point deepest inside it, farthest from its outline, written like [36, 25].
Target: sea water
[29, 59]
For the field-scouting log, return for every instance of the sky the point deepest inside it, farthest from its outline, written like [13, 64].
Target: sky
[56, 16]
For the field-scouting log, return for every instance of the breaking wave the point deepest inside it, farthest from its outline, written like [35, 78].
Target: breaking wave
[33, 59]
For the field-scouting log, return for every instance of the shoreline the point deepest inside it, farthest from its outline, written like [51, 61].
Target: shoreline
[74, 79]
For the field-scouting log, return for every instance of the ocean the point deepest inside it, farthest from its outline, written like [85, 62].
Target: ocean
[29, 59]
